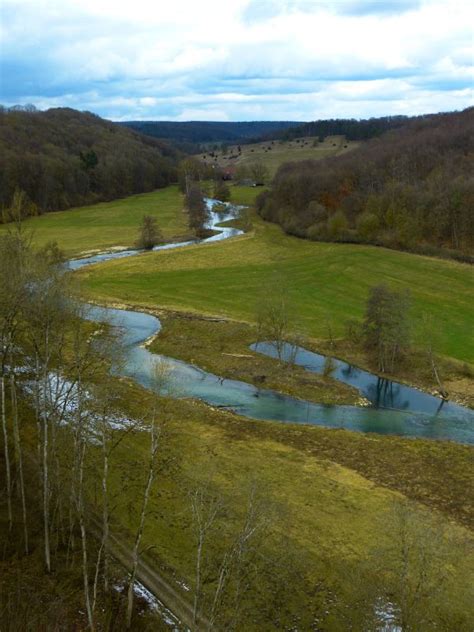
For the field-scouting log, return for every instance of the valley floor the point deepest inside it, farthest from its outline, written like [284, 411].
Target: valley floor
[336, 502]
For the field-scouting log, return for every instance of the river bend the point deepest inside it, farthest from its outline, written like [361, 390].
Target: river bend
[394, 408]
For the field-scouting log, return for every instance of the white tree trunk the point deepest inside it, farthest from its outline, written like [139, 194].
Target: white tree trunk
[138, 537]
[7, 455]
[19, 459]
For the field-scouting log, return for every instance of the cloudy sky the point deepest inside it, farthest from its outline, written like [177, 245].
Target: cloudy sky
[238, 59]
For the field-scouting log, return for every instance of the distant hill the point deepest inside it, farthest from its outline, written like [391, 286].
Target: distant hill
[203, 132]
[237, 160]
[62, 158]
[352, 129]
[411, 188]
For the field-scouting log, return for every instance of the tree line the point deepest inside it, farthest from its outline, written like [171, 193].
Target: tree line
[412, 188]
[203, 132]
[62, 158]
[352, 129]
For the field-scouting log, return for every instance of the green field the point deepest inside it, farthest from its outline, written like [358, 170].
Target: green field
[110, 224]
[324, 283]
[273, 154]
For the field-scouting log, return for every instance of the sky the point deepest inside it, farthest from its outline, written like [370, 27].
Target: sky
[238, 60]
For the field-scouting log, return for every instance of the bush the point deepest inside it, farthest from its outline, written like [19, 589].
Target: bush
[317, 232]
[317, 211]
[368, 225]
[337, 225]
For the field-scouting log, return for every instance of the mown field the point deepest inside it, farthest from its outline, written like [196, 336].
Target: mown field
[109, 224]
[274, 153]
[324, 283]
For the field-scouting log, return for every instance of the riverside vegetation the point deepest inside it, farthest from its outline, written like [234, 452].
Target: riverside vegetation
[410, 189]
[257, 525]
[91, 445]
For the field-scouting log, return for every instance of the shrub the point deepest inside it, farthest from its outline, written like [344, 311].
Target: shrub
[368, 225]
[337, 224]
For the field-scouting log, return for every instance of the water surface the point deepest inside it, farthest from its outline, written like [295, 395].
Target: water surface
[186, 380]
[395, 408]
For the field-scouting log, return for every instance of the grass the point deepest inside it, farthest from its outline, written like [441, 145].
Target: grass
[333, 493]
[244, 195]
[275, 154]
[325, 283]
[109, 224]
[223, 348]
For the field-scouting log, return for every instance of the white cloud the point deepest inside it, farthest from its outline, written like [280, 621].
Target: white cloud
[239, 59]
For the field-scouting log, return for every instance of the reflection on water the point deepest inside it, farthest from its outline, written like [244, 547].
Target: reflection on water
[185, 380]
[381, 392]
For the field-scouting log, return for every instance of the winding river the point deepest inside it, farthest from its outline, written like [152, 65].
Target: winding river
[394, 408]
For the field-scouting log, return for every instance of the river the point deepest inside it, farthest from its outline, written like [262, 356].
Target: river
[394, 408]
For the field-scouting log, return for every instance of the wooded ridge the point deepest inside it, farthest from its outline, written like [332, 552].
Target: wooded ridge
[412, 188]
[62, 158]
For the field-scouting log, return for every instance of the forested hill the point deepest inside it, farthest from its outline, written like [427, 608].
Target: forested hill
[198, 132]
[62, 158]
[412, 188]
[352, 129]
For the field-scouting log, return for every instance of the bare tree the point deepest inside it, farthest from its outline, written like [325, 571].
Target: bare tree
[14, 247]
[387, 326]
[227, 570]
[149, 234]
[205, 509]
[6, 454]
[196, 208]
[232, 570]
[47, 314]
[258, 171]
[273, 316]
[151, 467]
[429, 332]
[19, 457]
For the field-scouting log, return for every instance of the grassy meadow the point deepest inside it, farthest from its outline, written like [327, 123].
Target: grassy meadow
[275, 153]
[109, 224]
[333, 497]
[325, 283]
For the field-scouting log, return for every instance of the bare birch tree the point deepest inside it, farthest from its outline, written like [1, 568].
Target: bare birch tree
[205, 510]
[151, 468]
[225, 572]
[19, 458]
[14, 247]
[429, 334]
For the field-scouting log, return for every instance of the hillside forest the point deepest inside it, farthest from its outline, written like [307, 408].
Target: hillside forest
[62, 158]
[412, 188]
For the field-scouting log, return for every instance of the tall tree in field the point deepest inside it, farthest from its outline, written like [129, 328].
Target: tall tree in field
[387, 326]
[259, 172]
[196, 209]
[221, 191]
[149, 235]
[274, 316]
